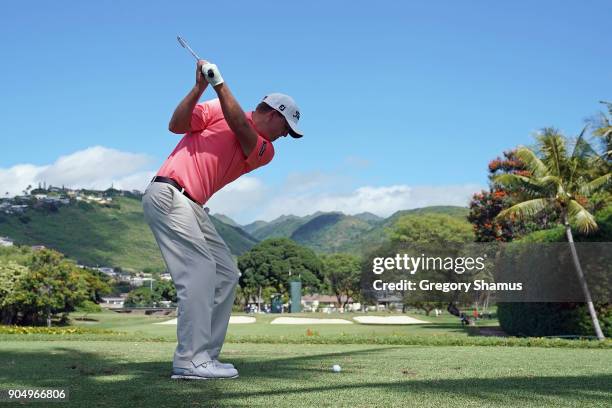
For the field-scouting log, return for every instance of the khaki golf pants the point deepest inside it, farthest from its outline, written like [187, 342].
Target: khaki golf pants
[202, 268]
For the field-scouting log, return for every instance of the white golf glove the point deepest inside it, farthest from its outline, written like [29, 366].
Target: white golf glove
[212, 74]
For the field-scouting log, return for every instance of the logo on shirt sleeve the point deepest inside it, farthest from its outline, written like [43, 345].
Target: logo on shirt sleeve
[262, 149]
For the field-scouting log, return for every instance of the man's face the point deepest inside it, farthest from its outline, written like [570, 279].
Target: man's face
[277, 125]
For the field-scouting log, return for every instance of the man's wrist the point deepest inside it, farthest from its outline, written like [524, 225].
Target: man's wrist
[200, 88]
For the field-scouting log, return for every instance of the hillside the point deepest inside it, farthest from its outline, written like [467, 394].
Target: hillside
[332, 232]
[282, 226]
[378, 234]
[369, 217]
[238, 240]
[337, 232]
[117, 235]
[226, 220]
[99, 235]
[254, 226]
[456, 212]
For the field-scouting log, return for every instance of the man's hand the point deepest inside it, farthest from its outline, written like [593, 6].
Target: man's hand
[201, 82]
[212, 74]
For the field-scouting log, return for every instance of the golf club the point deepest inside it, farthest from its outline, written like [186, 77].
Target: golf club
[186, 46]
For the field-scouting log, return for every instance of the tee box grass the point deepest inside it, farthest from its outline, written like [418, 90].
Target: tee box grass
[133, 369]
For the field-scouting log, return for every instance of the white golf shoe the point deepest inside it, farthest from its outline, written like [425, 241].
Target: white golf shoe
[210, 370]
[223, 365]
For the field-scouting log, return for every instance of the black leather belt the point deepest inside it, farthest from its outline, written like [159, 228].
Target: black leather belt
[167, 180]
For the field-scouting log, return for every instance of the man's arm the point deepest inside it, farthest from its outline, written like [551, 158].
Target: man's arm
[181, 118]
[236, 119]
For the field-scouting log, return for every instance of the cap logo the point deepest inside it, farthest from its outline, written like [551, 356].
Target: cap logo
[296, 115]
[281, 108]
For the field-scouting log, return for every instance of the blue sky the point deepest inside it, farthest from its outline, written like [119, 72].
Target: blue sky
[407, 100]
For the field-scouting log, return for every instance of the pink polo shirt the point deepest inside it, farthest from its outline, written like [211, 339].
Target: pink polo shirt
[210, 156]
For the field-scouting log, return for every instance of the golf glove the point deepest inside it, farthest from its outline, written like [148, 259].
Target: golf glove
[212, 74]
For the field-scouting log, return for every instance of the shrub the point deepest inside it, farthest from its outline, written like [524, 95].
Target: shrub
[24, 219]
[551, 319]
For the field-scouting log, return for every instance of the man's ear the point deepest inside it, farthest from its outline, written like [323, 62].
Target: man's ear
[270, 115]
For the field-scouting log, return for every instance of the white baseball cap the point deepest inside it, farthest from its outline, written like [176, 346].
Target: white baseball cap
[287, 107]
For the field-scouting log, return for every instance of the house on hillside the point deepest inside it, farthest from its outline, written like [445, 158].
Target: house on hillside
[137, 281]
[107, 271]
[17, 209]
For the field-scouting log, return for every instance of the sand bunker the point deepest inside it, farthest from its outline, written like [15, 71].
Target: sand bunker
[388, 320]
[233, 320]
[306, 320]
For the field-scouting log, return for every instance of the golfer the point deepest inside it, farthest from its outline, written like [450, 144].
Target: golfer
[221, 143]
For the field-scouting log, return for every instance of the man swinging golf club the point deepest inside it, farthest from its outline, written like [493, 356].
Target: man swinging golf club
[221, 143]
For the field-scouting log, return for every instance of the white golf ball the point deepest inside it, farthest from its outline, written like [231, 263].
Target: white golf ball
[336, 368]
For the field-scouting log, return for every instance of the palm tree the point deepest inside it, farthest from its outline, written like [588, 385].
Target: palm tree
[561, 183]
[603, 130]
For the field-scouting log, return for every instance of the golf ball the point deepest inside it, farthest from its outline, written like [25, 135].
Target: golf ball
[336, 368]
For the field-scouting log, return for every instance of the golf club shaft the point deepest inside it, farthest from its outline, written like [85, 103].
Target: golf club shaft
[186, 46]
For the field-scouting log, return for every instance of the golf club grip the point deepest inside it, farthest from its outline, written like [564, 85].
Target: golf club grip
[208, 73]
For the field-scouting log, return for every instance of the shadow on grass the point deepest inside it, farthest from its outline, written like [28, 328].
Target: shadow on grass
[114, 381]
[447, 327]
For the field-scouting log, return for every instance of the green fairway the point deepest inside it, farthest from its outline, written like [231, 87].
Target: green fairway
[144, 326]
[131, 368]
[133, 374]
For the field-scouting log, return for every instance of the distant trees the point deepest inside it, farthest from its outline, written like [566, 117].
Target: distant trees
[274, 263]
[342, 275]
[163, 290]
[43, 285]
[438, 235]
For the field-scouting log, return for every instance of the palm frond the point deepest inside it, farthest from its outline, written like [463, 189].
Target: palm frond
[595, 185]
[582, 155]
[549, 181]
[529, 185]
[552, 147]
[526, 209]
[533, 163]
[604, 131]
[582, 148]
[584, 220]
[608, 105]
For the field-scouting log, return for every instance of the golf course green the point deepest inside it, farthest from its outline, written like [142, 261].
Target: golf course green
[124, 360]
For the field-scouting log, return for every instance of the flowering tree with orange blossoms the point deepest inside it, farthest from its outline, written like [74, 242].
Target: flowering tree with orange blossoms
[486, 205]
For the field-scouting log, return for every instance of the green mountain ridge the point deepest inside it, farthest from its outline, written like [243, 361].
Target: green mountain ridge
[337, 232]
[118, 236]
[226, 220]
[95, 235]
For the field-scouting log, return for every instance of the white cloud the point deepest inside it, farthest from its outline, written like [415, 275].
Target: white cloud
[246, 199]
[380, 200]
[250, 199]
[95, 167]
[240, 198]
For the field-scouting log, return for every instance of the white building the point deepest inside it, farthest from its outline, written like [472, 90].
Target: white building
[327, 304]
[5, 242]
[112, 302]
